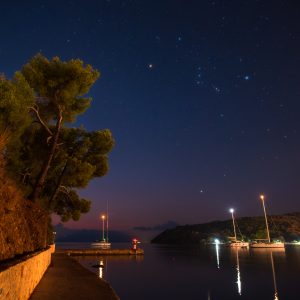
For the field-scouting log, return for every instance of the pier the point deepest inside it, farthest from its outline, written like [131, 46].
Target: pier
[86, 252]
[67, 279]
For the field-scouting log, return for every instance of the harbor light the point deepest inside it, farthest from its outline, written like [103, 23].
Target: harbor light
[231, 210]
[262, 197]
[217, 242]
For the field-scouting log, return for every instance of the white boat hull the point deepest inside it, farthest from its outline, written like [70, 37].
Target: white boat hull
[267, 245]
[239, 245]
[101, 245]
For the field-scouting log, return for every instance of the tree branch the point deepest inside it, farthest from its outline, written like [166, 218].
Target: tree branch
[35, 109]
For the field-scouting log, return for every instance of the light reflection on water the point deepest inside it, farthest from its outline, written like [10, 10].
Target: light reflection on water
[217, 254]
[215, 273]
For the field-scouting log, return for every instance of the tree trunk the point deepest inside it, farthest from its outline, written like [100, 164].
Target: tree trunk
[46, 165]
[59, 182]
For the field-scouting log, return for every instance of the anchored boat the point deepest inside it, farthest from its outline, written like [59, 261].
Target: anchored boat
[103, 244]
[236, 243]
[266, 243]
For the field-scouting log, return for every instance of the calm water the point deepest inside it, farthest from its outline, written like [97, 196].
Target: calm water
[172, 272]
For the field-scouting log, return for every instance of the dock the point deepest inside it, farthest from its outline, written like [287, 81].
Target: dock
[67, 279]
[100, 252]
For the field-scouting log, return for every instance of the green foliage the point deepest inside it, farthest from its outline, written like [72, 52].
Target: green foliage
[60, 84]
[70, 206]
[16, 97]
[49, 159]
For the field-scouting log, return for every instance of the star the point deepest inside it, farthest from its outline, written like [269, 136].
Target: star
[217, 90]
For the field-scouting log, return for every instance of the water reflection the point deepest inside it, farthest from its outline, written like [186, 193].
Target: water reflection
[217, 252]
[239, 283]
[236, 254]
[175, 272]
[269, 254]
[274, 277]
[99, 264]
[101, 267]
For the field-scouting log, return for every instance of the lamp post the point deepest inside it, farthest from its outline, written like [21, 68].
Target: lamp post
[103, 219]
[262, 197]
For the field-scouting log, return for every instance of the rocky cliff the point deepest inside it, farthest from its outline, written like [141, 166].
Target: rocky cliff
[23, 224]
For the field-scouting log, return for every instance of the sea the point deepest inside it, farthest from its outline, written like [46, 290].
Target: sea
[213, 272]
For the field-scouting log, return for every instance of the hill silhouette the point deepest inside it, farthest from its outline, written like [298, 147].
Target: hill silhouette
[284, 227]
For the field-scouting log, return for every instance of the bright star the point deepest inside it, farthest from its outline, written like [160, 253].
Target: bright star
[217, 90]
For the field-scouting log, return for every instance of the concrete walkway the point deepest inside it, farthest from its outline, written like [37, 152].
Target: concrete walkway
[67, 279]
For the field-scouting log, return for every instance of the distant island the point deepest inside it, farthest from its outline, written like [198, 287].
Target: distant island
[65, 235]
[283, 227]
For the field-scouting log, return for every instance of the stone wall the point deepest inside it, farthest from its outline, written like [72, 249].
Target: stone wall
[18, 281]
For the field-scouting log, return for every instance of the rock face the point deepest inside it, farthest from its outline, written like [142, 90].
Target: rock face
[23, 224]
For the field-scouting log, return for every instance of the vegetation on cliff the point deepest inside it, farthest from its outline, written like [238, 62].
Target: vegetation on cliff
[284, 227]
[43, 160]
[23, 224]
[47, 158]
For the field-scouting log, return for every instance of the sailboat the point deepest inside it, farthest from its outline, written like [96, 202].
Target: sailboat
[266, 243]
[236, 242]
[103, 244]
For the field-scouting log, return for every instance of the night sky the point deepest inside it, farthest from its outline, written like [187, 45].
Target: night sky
[202, 97]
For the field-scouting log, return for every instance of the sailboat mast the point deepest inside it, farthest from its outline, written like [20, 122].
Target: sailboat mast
[107, 221]
[232, 210]
[262, 197]
[103, 231]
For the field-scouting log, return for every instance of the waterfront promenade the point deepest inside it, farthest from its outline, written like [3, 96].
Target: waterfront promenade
[67, 279]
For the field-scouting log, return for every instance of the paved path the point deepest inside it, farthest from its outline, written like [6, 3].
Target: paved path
[66, 279]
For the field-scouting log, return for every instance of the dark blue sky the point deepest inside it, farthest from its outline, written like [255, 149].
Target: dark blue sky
[202, 98]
